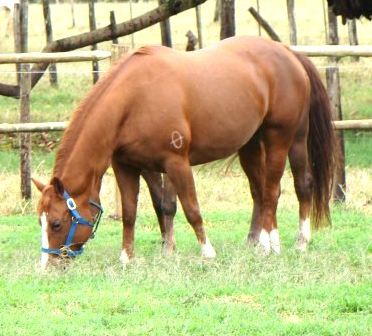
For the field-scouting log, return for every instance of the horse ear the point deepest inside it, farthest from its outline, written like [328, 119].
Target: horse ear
[40, 186]
[58, 186]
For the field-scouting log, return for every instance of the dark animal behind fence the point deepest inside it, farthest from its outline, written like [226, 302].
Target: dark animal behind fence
[351, 9]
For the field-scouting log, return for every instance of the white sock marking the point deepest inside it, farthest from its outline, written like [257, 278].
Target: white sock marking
[305, 229]
[207, 250]
[275, 241]
[264, 240]
[304, 234]
[124, 258]
[44, 241]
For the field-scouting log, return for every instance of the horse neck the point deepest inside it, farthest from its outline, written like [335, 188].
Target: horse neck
[85, 153]
[89, 141]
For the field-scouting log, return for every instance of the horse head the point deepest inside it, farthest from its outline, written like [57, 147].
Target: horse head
[66, 223]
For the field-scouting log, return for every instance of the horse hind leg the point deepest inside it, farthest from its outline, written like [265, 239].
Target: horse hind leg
[180, 174]
[252, 160]
[303, 182]
[277, 142]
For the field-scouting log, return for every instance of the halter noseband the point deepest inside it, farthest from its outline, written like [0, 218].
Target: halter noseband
[65, 251]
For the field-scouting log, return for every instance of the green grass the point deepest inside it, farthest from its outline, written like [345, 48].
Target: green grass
[326, 291]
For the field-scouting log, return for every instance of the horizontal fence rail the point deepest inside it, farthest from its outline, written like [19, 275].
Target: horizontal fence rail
[365, 124]
[55, 57]
[333, 50]
[357, 125]
[97, 55]
[33, 127]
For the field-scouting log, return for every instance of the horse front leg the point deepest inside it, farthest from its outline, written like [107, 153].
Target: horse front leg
[180, 174]
[164, 200]
[128, 182]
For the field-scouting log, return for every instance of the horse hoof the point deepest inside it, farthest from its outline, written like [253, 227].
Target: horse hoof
[275, 241]
[264, 242]
[207, 250]
[269, 241]
[124, 259]
[167, 250]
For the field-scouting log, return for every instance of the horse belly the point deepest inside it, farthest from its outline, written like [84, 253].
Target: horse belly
[229, 105]
[222, 135]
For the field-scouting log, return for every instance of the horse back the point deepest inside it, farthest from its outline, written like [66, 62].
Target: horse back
[215, 98]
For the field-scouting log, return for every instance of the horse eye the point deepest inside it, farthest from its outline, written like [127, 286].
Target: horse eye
[56, 225]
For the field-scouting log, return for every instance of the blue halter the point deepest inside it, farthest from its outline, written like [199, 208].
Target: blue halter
[65, 251]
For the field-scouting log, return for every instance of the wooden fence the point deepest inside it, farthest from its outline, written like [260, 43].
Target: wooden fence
[25, 91]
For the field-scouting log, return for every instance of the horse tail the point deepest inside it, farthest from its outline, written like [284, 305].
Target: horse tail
[320, 145]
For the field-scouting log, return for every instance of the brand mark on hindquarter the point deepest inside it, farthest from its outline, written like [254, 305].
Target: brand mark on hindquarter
[176, 140]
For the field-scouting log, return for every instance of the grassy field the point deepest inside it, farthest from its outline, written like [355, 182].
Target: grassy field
[326, 291]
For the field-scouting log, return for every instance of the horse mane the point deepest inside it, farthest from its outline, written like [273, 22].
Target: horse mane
[146, 50]
[80, 113]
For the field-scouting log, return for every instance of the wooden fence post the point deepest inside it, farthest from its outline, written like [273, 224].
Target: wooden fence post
[131, 17]
[17, 36]
[113, 27]
[72, 7]
[217, 11]
[333, 87]
[24, 24]
[49, 38]
[92, 26]
[292, 22]
[25, 138]
[166, 37]
[353, 36]
[25, 89]
[227, 19]
[199, 26]
[258, 11]
[117, 51]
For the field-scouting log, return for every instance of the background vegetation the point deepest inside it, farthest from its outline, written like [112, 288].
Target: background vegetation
[326, 291]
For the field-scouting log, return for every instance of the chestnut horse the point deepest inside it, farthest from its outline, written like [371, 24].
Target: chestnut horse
[160, 110]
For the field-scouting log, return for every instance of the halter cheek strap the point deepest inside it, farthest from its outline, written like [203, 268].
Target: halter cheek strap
[65, 251]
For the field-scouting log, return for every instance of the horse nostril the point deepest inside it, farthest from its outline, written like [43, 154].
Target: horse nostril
[56, 225]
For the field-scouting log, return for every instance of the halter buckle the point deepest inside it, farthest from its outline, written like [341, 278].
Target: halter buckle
[64, 252]
[71, 205]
